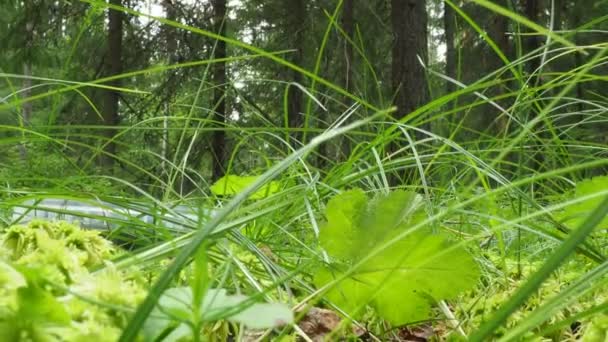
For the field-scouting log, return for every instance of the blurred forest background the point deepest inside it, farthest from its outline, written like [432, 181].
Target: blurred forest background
[88, 90]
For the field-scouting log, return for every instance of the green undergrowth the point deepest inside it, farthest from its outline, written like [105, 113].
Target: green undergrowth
[390, 260]
[58, 283]
[48, 291]
[499, 285]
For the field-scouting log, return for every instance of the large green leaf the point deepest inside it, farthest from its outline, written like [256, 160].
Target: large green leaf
[341, 238]
[574, 215]
[230, 185]
[401, 281]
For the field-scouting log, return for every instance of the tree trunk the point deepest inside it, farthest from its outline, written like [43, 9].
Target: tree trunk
[449, 22]
[296, 10]
[218, 140]
[348, 25]
[497, 31]
[409, 86]
[558, 14]
[113, 67]
[409, 24]
[169, 31]
[533, 43]
[532, 11]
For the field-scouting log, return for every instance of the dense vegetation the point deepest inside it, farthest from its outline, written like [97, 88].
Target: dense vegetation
[367, 170]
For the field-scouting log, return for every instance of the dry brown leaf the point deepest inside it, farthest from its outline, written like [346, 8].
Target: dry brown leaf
[319, 322]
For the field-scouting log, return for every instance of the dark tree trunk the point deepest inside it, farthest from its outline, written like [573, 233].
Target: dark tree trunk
[531, 44]
[169, 31]
[497, 31]
[578, 62]
[348, 25]
[409, 86]
[449, 22]
[532, 11]
[218, 140]
[558, 15]
[295, 25]
[113, 67]
[409, 24]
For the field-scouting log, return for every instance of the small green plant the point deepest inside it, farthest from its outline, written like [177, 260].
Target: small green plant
[182, 312]
[173, 315]
[575, 214]
[401, 280]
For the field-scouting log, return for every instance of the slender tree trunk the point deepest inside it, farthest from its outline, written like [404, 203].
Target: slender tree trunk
[532, 11]
[348, 25]
[409, 85]
[558, 14]
[168, 30]
[531, 44]
[409, 24]
[113, 67]
[449, 22]
[296, 19]
[218, 140]
[410, 42]
[498, 32]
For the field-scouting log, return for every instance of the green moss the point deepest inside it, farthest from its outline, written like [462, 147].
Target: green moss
[47, 289]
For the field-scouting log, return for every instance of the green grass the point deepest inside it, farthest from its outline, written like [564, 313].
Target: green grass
[485, 193]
